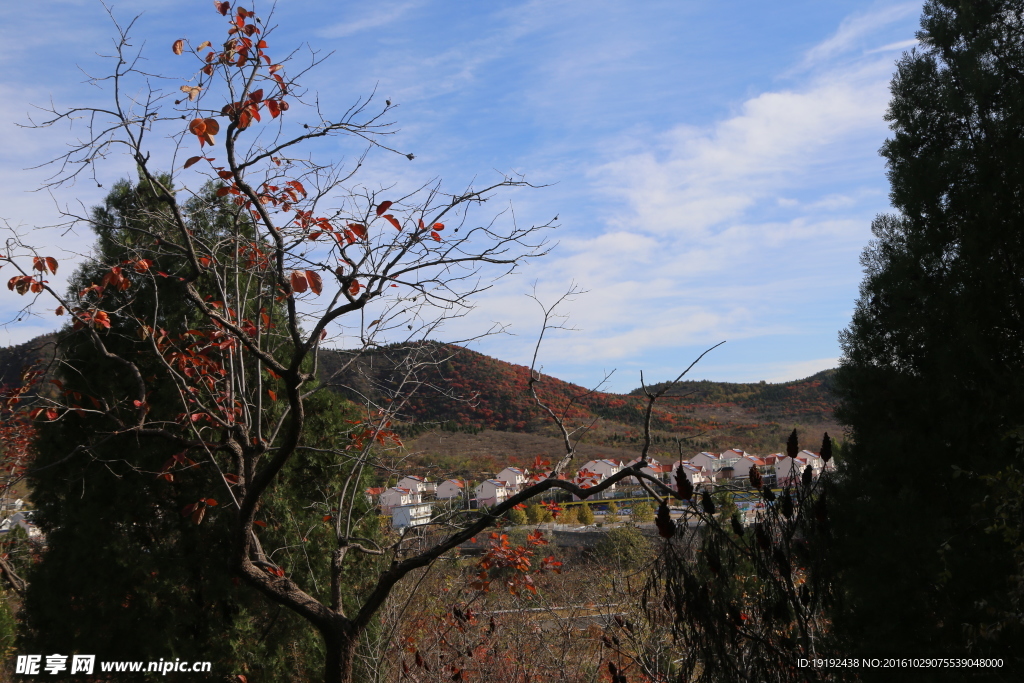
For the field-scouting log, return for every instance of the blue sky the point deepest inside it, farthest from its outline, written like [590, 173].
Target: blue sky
[713, 165]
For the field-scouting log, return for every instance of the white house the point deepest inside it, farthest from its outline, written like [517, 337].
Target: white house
[492, 492]
[373, 494]
[693, 473]
[22, 519]
[414, 483]
[514, 476]
[816, 462]
[396, 496]
[787, 469]
[741, 468]
[606, 467]
[450, 488]
[416, 514]
[706, 460]
[653, 468]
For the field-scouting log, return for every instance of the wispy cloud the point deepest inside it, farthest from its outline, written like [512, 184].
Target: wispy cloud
[857, 30]
[374, 16]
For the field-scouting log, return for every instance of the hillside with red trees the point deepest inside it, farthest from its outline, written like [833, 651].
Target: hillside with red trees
[465, 391]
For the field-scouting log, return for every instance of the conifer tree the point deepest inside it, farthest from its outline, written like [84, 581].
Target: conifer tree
[933, 369]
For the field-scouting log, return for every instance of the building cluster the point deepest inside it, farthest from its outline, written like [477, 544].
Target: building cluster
[408, 502]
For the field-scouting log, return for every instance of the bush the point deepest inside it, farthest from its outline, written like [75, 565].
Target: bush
[625, 547]
[569, 516]
[517, 517]
[612, 515]
[585, 514]
[535, 513]
[642, 513]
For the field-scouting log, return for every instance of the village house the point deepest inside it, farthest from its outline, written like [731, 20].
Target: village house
[695, 474]
[373, 494]
[653, 468]
[706, 460]
[515, 477]
[741, 468]
[416, 514]
[397, 496]
[492, 492]
[450, 488]
[415, 483]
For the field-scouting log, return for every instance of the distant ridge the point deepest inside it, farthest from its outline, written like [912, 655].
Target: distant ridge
[468, 393]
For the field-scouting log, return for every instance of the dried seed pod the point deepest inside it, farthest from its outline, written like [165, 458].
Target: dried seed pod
[707, 503]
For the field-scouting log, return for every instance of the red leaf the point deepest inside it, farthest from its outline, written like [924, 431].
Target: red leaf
[354, 288]
[192, 161]
[315, 282]
[211, 502]
[358, 229]
[256, 95]
[60, 310]
[222, 7]
[260, 523]
[51, 263]
[273, 108]
[299, 283]
[197, 127]
[272, 395]
[438, 226]
[232, 478]
[382, 207]
[393, 221]
[435, 236]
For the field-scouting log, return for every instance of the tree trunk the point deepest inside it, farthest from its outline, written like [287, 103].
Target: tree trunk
[340, 644]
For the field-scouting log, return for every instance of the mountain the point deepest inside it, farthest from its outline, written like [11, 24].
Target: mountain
[472, 414]
[477, 405]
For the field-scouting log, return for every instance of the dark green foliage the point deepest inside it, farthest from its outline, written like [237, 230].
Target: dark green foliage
[934, 357]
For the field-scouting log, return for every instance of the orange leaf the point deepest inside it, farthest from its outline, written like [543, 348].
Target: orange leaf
[315, 283]
[212, 126]
[272, 395]
[203, 44]
[192, 161]
[51, 263]
[178, 47]
[260, 523]
[354, 288]
[382, 207]
[299, 283]
[60, 310]
[197, 126]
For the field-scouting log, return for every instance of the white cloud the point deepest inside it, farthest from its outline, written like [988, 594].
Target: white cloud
[376, 16]
[857, 30]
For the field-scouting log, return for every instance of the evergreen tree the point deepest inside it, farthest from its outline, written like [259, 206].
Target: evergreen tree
[126, 575]
[933, 369]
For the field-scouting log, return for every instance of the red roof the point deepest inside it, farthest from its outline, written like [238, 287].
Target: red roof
[375, 491]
